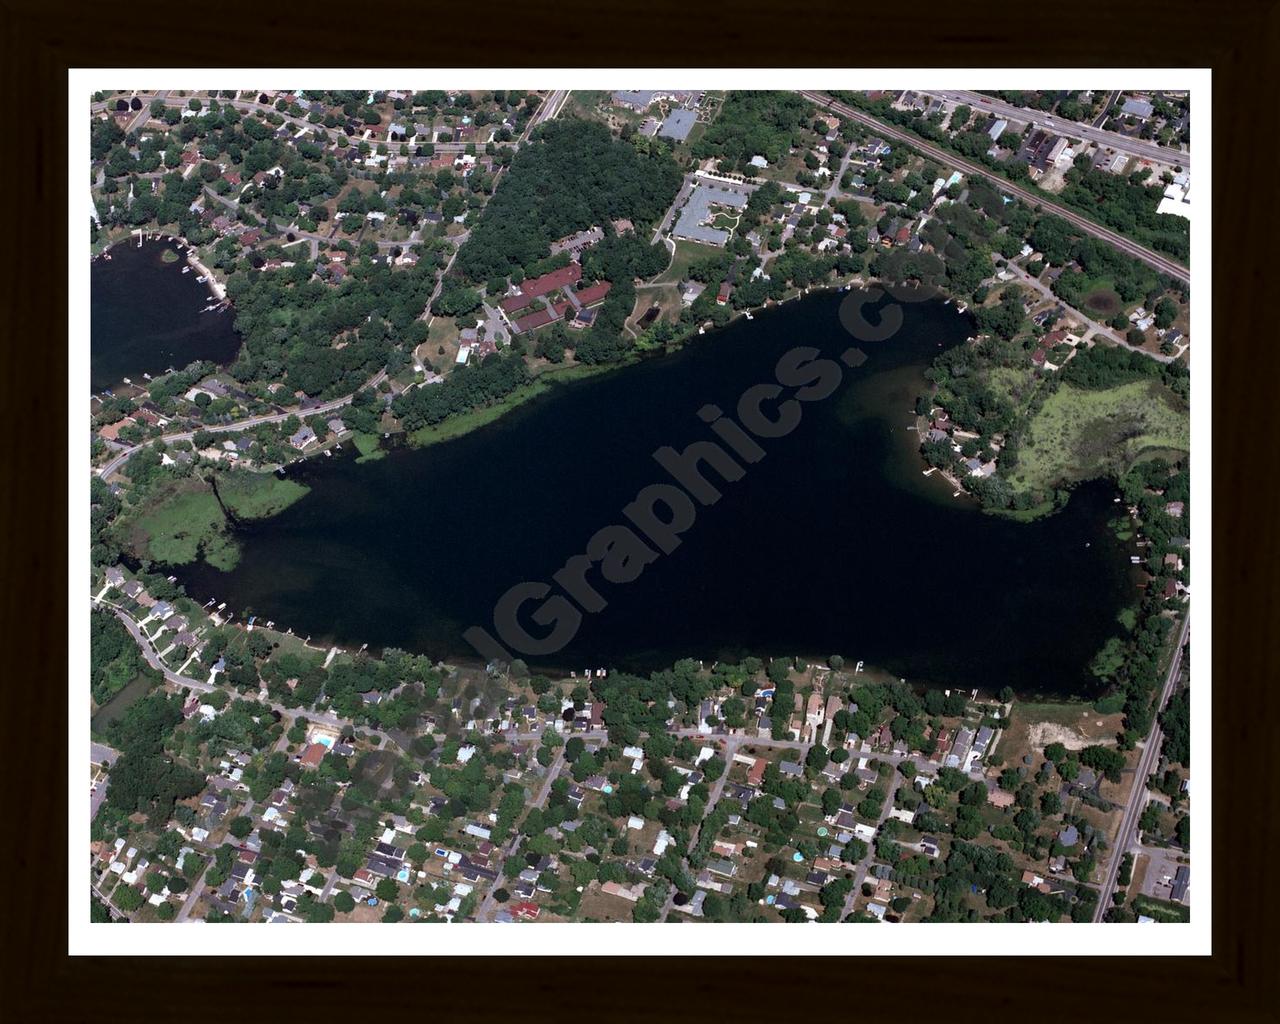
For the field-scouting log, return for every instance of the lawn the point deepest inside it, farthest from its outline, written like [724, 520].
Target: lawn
[686, 254]
[1079, 435]
[367, 446]
[1103, 302]
[1161, 910]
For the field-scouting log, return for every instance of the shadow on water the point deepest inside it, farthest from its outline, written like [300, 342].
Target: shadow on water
[832, 543]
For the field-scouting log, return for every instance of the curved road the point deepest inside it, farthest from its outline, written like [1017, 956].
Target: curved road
[313, 717]
[252, 421]
[1163, 264]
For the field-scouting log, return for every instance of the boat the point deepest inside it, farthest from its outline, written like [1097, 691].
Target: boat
[186, 270]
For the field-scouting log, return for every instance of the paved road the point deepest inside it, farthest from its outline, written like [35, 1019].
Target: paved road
[1163, 264]
[513, 846]
[551, 106]
[864, 865]
[1114, 140]
[731, 745]
[193, 897]
[238, 425]
[1101, 119]
[99, 753]
[116, 914]
[546, 112]
[1126, 835]
[1095, 329]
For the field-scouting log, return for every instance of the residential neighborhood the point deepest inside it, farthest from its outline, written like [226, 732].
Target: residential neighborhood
[405, 268]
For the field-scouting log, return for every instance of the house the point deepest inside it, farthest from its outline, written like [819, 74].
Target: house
[722, 297]
[303, 437]
[1069, 836]
[1141, 109]
[312, 755]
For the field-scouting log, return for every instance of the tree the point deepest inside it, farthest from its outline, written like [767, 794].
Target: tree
[127, 898]
[240, 826]
[344, 903]
[386, 889]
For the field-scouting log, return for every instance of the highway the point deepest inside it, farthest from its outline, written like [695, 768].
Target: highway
[1127, 833]
[1162, 264]
[1064, 126]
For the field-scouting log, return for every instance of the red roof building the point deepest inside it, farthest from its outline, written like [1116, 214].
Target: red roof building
[553, 281]
[313, 755]
[514, 303]
[534, 320]
[589, 296]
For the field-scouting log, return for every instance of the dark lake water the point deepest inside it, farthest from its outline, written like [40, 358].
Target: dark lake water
[145, 316]
[833, 543]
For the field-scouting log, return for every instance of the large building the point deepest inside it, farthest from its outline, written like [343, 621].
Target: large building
[694, 220]
[678, 125]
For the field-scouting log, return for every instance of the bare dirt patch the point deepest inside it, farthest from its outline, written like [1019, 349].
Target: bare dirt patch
[1041, 734]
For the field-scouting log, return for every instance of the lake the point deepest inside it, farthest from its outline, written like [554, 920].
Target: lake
[833, 543]
[146, 316]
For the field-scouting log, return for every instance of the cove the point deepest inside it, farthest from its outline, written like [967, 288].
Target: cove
[833, 543]
[146, 315]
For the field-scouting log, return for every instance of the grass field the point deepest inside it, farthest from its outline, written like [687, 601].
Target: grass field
[686, 254]
[1034, 724]
[186, 523]
[1161, 910]
[1080, 435]
[367, 446]
[1103, 302]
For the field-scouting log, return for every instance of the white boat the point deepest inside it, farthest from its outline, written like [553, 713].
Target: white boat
[186, 270]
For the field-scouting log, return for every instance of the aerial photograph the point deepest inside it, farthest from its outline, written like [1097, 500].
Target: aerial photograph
[686, 506]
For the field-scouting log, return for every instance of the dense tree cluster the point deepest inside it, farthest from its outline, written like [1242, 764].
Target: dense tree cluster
[146, 778]
[466, 388]
[290, 322]
[114, 658]
[765, 123]
[574, 176]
